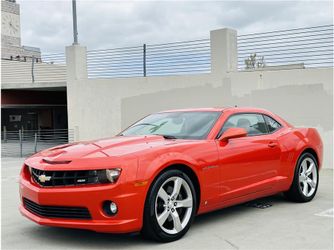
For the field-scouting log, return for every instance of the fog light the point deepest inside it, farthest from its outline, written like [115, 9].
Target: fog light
[113, 207]
[110, 208]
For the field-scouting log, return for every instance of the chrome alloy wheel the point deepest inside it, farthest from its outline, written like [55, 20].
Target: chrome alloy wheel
[173, 205]
[308, 177]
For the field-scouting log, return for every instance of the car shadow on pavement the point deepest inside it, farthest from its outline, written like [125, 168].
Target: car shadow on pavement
[68, 238]
[234, 211]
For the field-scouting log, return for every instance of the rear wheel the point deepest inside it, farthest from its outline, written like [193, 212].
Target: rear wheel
[306, 178]
[170, 207]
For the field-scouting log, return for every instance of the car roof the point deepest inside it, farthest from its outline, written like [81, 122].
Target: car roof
[193, 110]
[220, 109]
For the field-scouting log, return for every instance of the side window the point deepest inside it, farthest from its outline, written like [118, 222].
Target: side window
[253, 123]
[272, 124]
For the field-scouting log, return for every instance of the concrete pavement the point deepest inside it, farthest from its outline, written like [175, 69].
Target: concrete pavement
[284, 225]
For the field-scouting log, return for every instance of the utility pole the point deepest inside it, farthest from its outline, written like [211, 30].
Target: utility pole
[75, 26]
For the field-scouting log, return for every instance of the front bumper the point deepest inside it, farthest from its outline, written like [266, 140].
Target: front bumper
[128, 197]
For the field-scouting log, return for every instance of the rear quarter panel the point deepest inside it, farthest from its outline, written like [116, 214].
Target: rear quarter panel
[294, 141]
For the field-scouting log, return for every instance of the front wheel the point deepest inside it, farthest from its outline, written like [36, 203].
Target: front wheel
[170, 207]
[306, 179]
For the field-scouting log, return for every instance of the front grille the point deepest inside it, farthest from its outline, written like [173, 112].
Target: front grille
[66, 178]
[56, 211]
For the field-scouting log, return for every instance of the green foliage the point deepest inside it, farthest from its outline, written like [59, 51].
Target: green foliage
[254, 61]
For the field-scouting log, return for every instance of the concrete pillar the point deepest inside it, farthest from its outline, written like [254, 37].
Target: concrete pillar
[76, 78]
[76, 62]
[224, 51]
[76, 133]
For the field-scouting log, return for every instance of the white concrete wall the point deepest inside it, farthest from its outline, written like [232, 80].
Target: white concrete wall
[304, 97]
[102, 107]
[16, 75]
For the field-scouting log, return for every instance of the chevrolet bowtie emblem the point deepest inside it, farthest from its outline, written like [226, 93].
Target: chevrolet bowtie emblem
[43, 178]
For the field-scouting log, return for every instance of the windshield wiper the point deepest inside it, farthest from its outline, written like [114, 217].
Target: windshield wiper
[145, 124]
[152, 130]
[167, 136]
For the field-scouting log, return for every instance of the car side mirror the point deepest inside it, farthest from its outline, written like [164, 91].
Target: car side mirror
[233, 133]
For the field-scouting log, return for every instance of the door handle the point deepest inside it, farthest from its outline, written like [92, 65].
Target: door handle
[272, 144]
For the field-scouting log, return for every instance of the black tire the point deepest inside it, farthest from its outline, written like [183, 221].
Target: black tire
[295, 192]
[151, 229]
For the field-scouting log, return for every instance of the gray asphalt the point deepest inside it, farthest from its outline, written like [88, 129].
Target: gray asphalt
[284, 225]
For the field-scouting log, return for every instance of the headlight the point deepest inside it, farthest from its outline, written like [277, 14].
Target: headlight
[110, 175]
[27, 168]
[113, 174]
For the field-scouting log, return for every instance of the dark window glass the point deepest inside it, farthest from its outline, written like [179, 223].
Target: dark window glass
[254, 124]
[272, 124]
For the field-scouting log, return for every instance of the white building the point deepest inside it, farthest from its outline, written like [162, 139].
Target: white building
[11, 47]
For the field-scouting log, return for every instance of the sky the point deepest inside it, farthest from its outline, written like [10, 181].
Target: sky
[47, 24]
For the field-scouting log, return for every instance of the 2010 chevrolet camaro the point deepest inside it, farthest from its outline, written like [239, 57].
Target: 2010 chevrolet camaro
[159, 173]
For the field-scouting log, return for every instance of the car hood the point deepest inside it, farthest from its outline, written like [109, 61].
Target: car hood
[111, 147]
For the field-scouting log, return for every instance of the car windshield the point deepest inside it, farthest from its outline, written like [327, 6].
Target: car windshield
[175, 125]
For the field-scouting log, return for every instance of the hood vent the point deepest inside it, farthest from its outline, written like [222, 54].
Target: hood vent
[55, 162]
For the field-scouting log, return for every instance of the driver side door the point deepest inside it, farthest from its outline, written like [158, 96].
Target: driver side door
[248, 164]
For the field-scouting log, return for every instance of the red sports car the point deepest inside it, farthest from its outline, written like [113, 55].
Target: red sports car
[159, 173]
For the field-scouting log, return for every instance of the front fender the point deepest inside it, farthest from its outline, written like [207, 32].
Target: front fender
[201, 158]
[150, 167]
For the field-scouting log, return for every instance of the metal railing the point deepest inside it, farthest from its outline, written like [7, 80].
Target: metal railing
[118, 62]
[188, 57]
[50, 68]
[151, 60]
[54, 58]
[311, 46]
[23, 143]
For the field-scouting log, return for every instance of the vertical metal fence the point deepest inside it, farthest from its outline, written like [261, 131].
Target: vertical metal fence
[23, 143]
